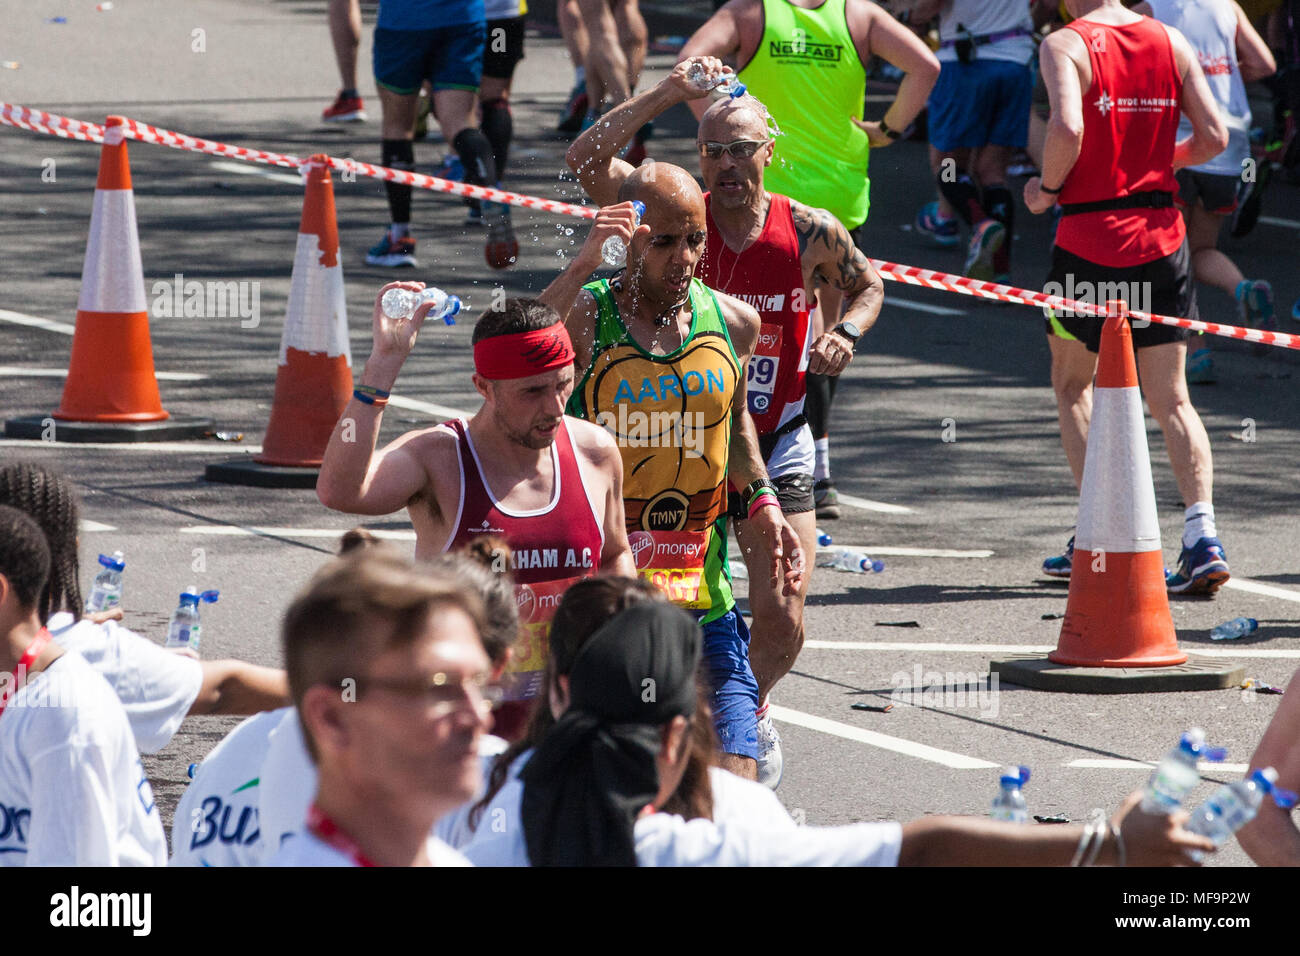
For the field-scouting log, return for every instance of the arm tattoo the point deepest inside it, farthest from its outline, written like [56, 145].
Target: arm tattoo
[840, 263]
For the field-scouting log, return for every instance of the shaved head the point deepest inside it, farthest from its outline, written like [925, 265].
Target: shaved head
[731, 119]
[668, 191]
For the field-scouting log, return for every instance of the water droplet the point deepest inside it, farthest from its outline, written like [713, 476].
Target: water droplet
[568, 232]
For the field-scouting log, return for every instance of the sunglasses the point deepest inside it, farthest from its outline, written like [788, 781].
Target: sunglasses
[446, 693]
[740, 149]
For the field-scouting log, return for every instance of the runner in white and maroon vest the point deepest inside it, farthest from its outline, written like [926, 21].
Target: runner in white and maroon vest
[519, 469]
[772, 253]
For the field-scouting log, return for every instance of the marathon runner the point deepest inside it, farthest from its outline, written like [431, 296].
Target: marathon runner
[662, 361]
[769, 251]
[519, 468]
[1118, 83]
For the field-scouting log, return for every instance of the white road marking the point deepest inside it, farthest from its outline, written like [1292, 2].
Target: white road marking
[921, 306]
[170, 448]
[429, 408]
[249, 169]
[1093, 763]
[1259, 587]
[231, 530]
[907, 552]
[996, 649]
[49, 325]
[14, 371]
[853, 501]
[1274, 221]
[92, 526]
[885, 742]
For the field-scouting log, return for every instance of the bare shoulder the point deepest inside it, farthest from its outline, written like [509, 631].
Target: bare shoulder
[594, 444]
[742, 320]
[812, 226]
[432, 447]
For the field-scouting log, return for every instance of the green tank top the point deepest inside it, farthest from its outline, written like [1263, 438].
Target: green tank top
[807, 73]
[671, 417]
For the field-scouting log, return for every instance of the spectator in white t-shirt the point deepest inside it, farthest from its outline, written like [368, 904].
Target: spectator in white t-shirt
[158, 688]
[73, 791]
[390, 679]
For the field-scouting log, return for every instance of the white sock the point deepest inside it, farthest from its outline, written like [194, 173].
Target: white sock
[822, 469]
[579, 75]
[1199, 523]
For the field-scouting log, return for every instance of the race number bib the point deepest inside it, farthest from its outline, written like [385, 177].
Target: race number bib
[537, 603]
[673, 561]
[763, 367]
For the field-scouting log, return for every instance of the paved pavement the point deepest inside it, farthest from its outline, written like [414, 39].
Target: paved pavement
[1002, 486]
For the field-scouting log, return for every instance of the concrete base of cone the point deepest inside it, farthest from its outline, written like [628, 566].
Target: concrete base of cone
[245, 471]
[1041, 674]
[47, 428]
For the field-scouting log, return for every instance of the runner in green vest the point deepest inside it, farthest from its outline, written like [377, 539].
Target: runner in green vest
[804, 59]
[661, 363]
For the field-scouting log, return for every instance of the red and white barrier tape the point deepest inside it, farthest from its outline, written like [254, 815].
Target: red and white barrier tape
[52, 124]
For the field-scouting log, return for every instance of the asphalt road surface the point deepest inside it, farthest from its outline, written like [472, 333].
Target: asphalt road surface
[962, 524]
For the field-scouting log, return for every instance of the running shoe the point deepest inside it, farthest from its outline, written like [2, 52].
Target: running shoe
[1250, 199]
[1295, 311]
[1201, 569]
[1022, 165]
[345, 110]
[1200, 368]
[392, 253]
[826, 499]
[985, 241]
[944, 232]
[1255, 308]
[771, 763]
[574, 110]
[1059, 566]
[502, 247]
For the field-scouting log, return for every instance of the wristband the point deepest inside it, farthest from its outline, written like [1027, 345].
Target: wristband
[361, 396]
[371, 390]
[755, 487]
[891, 133]
[765, 500]
[1050, 192]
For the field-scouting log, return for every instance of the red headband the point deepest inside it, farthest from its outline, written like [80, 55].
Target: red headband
[523, 353]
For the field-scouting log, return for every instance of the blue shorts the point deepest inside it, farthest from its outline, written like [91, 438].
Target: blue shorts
[981, 104]
[735, 691]
[451, 58]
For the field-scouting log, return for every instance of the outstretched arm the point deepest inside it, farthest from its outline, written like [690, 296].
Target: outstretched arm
[836, 261]
[594, 155]
[235, 687]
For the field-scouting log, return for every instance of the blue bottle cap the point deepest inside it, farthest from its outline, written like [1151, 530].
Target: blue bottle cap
[209, 597]
[1285, 799]
[190, 772]
[738, 90]
[107, 562]
[453, 307]
[639, 207]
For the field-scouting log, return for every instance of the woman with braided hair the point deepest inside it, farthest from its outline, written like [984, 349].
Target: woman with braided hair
[158, 688]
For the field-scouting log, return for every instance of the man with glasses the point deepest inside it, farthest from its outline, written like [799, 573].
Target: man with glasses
[552, 486]
[769, 251]
[388, 675]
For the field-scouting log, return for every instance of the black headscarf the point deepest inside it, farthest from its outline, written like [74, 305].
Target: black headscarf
[595, 770]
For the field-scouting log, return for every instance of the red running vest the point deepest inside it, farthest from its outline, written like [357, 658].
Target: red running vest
[552, 547]
[768, 276]
[1130, 126]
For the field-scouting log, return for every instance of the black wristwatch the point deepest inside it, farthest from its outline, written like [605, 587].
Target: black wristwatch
[849, 331]
[891, 133]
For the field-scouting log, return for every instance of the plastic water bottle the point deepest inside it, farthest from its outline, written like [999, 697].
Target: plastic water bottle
[184, 629]
[823, 539]
[1237, 627]
[402, 303]
[845, 560]
[1176, 775]
[614, 250]
[1009, 804]
[1234, 805]
[106, 591]
[728, 85]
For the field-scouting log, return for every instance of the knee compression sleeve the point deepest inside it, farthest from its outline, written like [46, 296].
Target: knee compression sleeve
[498, 127]
[475, 154]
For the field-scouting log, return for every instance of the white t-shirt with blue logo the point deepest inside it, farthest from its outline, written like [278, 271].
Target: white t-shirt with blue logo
[216, 822]
[73, 791]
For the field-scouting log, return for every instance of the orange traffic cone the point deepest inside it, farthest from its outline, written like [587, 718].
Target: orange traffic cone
[111, 393]
[314, 381]
[1118, 611]
[1117, 635]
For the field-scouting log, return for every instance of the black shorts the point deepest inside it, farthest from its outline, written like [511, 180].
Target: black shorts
[1162, 286]
[794, 491]
[1216, 192]
[505, 47]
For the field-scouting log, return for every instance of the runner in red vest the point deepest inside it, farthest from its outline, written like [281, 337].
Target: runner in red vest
[770, 252]
[1117, 84]
[551, 485]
